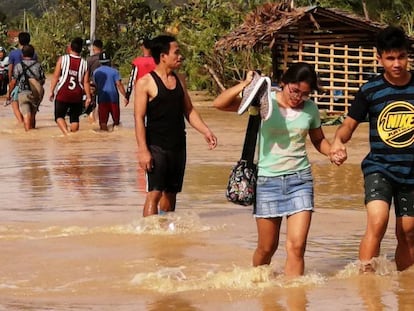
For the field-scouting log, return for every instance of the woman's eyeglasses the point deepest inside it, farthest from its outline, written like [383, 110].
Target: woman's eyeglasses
[297, 94]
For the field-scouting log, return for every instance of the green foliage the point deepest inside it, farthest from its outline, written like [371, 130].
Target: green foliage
[197, 24]
[200, 23]
[3, 17]
[397, 12]
[120, 25]
[54, 31]
[3, 37]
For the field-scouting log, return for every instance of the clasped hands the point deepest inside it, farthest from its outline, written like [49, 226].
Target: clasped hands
[337, 154]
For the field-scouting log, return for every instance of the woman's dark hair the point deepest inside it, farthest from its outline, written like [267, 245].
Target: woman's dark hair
[302, 72]
[392, 38]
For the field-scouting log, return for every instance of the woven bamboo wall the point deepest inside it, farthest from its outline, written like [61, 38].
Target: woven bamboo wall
[342, 70]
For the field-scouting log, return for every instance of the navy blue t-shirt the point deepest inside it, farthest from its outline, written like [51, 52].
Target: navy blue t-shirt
[390, 110]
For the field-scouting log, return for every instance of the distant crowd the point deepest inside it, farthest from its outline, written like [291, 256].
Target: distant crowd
[78, 86]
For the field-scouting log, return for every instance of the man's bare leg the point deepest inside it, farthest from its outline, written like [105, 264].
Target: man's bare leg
[74, 126]
[404, 253]
[151, 203]
[167, 202]
[16, 111]
[27, 121]
[62, 125]
[377, 221]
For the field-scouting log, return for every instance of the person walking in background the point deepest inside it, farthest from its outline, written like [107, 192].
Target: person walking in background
[284, 183]
[15, 57]
[70, 80]
[93, 60]
[161, 105]
[93, 63]
[140, 66]
[388, 101]
[4, 71]
[108, 86]
[27, 69]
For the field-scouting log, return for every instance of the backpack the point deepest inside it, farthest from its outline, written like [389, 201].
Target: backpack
[36, 87]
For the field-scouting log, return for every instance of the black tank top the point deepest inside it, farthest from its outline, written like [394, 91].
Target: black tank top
[165, 116]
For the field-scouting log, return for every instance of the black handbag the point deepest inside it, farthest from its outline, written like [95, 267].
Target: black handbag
[241, 186]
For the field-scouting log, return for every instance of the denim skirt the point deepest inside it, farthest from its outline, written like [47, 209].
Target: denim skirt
[284, 195]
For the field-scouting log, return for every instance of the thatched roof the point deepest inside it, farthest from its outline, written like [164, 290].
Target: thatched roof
[269, 21]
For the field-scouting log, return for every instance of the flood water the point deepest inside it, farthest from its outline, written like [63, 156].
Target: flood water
[72, 235]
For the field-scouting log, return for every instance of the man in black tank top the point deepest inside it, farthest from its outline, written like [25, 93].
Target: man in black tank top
[161, 102]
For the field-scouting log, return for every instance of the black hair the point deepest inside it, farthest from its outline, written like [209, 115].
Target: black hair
[24, 38]
[302, 72]
[98, 43]
[146, 43]
[392, 38]
[28, 51]
[104, 58]
[76, 45]
[159, 45]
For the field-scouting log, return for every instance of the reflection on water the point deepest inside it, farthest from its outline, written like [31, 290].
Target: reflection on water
[339, 187]
[73, 238]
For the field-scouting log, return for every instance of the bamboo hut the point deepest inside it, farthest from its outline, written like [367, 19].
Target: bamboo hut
[340, 45]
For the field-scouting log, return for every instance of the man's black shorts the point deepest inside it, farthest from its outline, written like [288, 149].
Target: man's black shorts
[168, 171]
[73, 110]
[379, 187]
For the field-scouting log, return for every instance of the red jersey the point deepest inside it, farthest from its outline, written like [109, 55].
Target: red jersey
[140, 67]
[70, 84]
[144, 64]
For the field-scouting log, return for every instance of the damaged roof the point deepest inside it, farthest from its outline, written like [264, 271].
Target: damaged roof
[263, 25]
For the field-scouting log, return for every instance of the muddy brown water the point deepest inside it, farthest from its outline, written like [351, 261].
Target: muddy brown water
[72, 236]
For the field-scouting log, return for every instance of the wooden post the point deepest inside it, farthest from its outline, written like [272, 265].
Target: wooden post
[316, 64]
[275, 63]
[346, 77]
[331, 77]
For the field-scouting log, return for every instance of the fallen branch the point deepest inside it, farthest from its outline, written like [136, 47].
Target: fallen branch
[214, 75]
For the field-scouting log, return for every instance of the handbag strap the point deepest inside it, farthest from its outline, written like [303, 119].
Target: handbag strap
[249, 147]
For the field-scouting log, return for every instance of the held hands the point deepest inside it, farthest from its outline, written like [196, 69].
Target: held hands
[338, 154]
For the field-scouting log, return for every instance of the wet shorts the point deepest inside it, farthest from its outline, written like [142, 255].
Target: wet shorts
[26, 105]
[106, 109]
[168, 171]
[74, 110]
[378, 187]
[15, 94]
[284, 195]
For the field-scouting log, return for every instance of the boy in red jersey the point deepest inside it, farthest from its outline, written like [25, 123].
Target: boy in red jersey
[70, 81]
[140, 66]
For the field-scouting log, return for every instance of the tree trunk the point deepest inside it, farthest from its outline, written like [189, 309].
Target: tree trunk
[364, 7]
